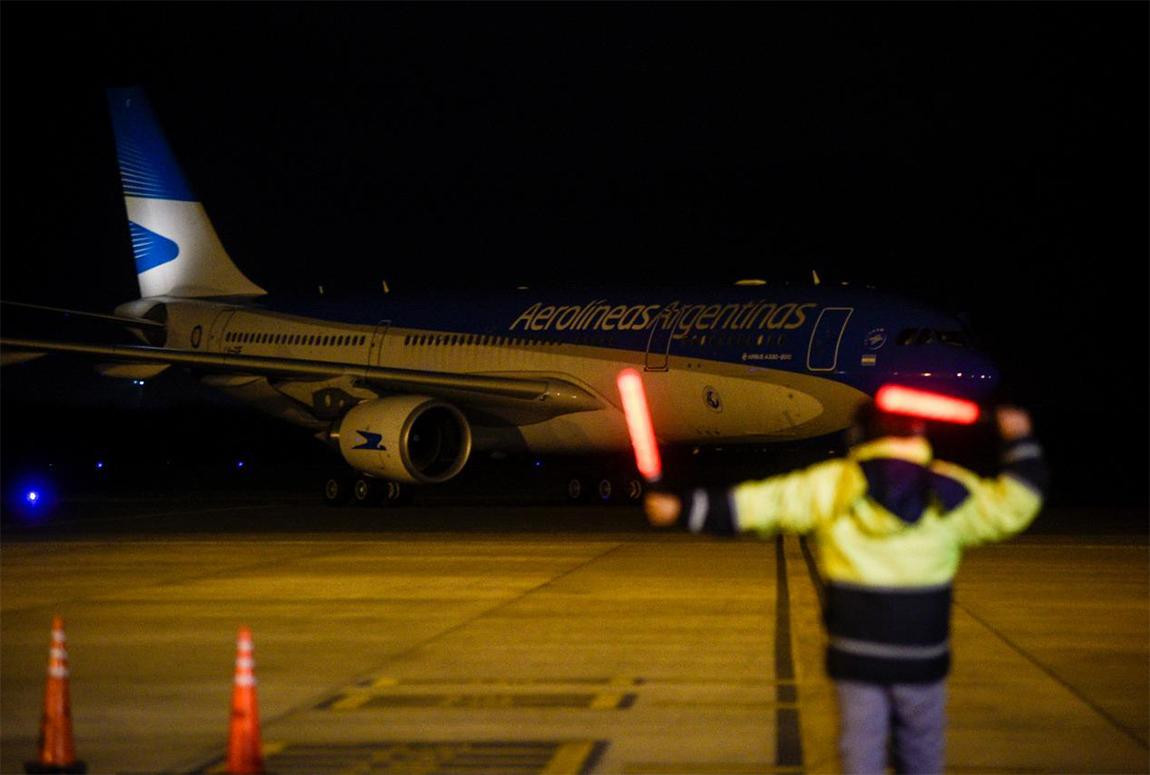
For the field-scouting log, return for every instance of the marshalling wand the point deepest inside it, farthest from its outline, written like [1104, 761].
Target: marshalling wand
[639, 424]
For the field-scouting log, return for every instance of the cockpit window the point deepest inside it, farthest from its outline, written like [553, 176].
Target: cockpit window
[955, 338]
[921, 336]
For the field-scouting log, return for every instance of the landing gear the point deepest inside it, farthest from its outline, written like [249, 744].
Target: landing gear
[339, 489]
[604, 489]
[336, 490]
[365, 492]
[395, 493]
[368, 491]
[576, 489]
[633, 489]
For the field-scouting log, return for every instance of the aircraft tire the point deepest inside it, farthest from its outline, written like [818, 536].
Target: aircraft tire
[577, 489]
[393, 493]
[605, 490]
[365, 491]
[336, 490]
[633, 489]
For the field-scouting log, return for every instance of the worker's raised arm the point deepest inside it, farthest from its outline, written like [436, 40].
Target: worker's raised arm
[1005, 505]
[791, 502]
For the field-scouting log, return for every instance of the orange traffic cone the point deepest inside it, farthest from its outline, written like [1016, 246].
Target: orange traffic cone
[244, 749]
[57, 748]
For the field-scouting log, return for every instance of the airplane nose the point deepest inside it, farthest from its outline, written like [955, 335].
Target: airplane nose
[976, 374]
[962, 372]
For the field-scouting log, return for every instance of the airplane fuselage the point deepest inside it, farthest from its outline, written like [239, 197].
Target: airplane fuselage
[730, 365]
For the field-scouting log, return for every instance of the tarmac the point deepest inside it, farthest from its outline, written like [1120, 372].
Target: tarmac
[492, 638]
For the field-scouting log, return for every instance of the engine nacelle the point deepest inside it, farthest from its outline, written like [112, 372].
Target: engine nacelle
[412, 439]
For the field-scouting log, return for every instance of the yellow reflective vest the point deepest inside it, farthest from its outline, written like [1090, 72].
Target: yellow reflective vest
[889, 524]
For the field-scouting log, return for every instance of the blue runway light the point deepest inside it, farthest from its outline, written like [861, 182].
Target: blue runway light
[239, 464]
[99, 465]
[32, 497]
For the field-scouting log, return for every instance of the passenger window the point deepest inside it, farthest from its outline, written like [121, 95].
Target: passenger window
[953, 338]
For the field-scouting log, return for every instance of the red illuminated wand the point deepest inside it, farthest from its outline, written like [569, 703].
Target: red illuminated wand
[926, 405]
[639, 425]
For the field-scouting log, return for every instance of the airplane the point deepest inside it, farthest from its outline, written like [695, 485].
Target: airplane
[410, 388]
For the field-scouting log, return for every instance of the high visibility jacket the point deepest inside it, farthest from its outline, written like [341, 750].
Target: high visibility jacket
[889, 523]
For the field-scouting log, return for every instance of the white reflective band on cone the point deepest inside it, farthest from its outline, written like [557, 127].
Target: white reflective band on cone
[245, 680]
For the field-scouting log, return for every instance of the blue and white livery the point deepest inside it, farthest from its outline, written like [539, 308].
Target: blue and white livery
[176, 248]
[409, 389]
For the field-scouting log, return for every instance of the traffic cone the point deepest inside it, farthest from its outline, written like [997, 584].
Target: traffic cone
[57, 748]
[244, 749]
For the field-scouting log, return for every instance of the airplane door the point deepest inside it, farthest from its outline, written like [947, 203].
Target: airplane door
[216, 334]
[376, 352]
[823, 353]
[659, 342]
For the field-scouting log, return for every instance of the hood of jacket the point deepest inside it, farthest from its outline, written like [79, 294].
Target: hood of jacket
[899, 484]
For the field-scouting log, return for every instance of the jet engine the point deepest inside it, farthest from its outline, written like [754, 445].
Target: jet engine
[412, 439]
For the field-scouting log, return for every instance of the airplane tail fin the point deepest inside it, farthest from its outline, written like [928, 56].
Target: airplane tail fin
[176, 247]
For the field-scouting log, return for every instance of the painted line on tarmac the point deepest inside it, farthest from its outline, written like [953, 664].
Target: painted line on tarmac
[705, 768]
[329, 697]
[386, 682]
[1114, 722]
[538, 757]
[370, 700]
[788, 742]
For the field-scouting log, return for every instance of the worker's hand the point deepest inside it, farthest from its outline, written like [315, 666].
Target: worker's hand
[662, 508]
[1013, 423]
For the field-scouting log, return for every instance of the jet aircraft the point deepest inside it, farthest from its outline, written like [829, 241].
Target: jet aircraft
[409, 388]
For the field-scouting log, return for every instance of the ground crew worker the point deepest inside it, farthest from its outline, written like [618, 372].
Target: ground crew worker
[890, 524]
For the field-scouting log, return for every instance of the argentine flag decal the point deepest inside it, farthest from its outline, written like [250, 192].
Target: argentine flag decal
[151, 249]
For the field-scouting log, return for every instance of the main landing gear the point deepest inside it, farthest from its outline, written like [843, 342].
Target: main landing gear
[604, 489]
[340, 489]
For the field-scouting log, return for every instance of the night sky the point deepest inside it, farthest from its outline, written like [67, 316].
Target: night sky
[990, 159]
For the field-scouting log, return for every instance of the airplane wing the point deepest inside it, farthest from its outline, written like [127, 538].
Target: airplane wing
[548, 396]
[94, 317]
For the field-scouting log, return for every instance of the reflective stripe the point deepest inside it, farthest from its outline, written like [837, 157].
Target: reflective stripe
[58, 671]
[699, 507]
[245, 663]
[58, 653]
[58, 636]
[245, 680]
[864, 648]
[1026, 451]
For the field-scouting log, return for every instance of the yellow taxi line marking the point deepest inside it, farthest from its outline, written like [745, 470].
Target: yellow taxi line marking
[606, 702]
[705, 768]
[569, 759]
[718, 704]
[351, 701]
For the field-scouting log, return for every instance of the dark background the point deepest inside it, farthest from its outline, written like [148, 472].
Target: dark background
[990, 159]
